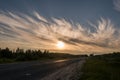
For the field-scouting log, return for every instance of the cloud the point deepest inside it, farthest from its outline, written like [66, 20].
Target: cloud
[116, 4]
[38, 32]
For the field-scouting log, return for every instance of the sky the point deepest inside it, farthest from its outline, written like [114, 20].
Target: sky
[82, 26]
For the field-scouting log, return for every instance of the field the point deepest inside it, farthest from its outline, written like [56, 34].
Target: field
[102, 67]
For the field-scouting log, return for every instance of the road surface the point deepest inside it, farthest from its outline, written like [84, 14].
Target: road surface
[34, 70]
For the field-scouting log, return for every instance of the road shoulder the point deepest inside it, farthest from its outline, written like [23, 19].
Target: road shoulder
[66, 73]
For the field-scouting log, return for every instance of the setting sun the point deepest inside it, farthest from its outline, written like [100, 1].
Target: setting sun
[60, 44]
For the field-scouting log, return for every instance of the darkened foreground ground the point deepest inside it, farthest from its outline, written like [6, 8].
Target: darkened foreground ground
[20, 55]
[36, 70]
[102, 67]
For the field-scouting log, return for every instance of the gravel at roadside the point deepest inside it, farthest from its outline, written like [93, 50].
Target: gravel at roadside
[67, 73]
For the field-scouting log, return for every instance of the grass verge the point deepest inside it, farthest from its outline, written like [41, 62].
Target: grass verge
[102, 67]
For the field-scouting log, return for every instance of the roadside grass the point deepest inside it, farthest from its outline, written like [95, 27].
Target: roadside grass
[5, 60]
[102, 67]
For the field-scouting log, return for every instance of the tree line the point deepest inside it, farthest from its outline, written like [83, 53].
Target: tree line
[26, 55]
[22, 55]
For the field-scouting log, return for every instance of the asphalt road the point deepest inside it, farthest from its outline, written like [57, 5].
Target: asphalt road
[34, 70]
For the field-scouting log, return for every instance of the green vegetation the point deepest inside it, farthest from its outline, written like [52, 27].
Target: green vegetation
[102, 67]
[6, 55]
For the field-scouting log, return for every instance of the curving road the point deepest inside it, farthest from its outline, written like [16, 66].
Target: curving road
[34, 70]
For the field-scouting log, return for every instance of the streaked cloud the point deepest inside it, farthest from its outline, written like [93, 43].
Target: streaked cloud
[21, 30]
[116, 4]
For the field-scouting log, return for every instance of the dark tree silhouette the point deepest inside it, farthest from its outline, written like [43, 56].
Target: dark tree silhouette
[27, 55]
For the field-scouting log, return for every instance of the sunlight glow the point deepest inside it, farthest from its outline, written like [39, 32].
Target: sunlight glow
[58, 34]
[60, 44]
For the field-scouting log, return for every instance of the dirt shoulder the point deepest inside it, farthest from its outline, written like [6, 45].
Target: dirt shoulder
[66, 73]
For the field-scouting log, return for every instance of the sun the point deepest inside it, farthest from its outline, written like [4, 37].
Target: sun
[60, 44]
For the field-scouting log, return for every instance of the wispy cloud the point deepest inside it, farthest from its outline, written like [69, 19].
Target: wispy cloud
[21, 30]
[117, 4]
